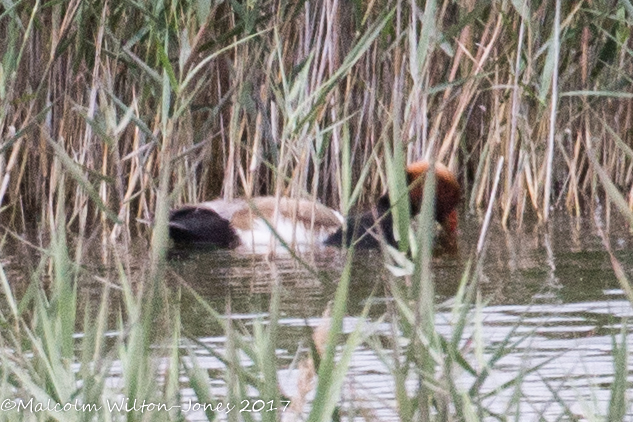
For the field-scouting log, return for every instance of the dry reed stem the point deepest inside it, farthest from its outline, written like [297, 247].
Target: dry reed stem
[484, 228]
[553, 113]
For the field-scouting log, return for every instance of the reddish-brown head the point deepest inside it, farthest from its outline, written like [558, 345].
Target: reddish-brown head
[447, 192]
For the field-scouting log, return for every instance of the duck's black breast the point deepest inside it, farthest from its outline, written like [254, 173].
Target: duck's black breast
[362, 231]
[366, 230]
[202, 226]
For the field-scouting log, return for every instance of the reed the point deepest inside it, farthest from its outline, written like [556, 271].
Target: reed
[225, 99]
[111, 113]
[133, 357]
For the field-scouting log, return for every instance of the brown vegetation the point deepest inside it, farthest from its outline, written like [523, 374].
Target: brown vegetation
[306, 99]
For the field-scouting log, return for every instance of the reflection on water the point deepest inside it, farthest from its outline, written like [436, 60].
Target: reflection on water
[564, 264]
[552, 286]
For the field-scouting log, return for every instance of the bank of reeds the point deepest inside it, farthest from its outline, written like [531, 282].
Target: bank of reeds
[110, 113]
[266, 97]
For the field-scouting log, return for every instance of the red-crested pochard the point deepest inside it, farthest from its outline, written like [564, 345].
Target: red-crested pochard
[299, 222]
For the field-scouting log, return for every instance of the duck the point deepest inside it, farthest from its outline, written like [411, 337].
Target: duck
[248, 223]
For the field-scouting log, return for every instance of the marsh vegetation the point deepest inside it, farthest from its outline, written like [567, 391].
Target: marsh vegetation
[111, 113]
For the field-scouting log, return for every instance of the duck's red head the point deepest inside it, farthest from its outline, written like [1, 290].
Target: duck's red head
[447, 192]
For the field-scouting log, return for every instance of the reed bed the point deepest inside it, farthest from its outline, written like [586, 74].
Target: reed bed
[223, 99]
[111, 113]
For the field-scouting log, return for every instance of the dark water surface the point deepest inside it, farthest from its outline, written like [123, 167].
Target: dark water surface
[552, 286]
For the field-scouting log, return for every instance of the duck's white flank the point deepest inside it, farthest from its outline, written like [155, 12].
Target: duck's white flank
[297, 222]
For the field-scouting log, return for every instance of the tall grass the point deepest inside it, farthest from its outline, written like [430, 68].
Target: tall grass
[216, 98]
[111, 113]
[142, 354]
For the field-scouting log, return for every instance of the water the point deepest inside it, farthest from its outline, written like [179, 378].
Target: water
[550, 291]
[551, 287]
